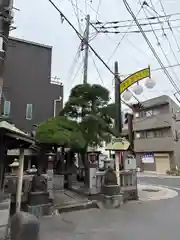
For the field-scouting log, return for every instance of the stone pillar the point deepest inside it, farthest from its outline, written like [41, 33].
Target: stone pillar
[20, 180]
[50, 175]
[92, 179]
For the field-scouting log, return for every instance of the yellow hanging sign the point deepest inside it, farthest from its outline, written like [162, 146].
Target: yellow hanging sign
[135, 77]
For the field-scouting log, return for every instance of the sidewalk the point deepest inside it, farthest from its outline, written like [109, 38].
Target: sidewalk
[4, 216]
[67, 200]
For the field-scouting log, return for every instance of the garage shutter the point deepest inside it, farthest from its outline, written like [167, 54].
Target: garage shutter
[162, 163]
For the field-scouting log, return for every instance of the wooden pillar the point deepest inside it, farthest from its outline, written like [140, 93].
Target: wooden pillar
[3, 152]
[20, 181]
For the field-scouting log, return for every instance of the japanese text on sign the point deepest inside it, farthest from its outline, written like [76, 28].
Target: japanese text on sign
[134, 78]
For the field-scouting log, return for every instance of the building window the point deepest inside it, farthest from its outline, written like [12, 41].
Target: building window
[29, 112]
[149, 113]
[159, 133]
[7, 108]
[156, 111]
[138, 135]
[149, 134]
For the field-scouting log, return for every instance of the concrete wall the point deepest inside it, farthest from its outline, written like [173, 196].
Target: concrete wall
[176, 132]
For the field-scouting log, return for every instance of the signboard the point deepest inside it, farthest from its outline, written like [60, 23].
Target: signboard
[148, 158]
[135, 77]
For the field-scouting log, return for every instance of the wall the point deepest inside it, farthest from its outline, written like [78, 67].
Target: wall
[176, 132]
[27, 81]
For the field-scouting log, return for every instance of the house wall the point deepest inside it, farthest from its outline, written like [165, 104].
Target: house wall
[27, 81]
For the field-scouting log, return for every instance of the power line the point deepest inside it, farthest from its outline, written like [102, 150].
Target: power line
[170, 27]
[82, 38]
[98, 7]
[74, 62]
[150, 46]
[115, 26]
[139, 19]
[97, 70]
[159, 44]
[135, 31]
[165, 35]
[153, 70]
[77, 72]
[76, 12]
[125, 33]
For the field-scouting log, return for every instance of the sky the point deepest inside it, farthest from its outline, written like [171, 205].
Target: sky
[38, 21]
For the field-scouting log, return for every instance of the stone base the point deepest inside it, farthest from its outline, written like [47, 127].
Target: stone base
[130, 195]
[40, 210]
[38, 198]
[111, 202]
[110, 190]
[58, 182]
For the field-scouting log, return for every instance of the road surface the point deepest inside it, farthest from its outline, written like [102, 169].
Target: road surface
[157, 220]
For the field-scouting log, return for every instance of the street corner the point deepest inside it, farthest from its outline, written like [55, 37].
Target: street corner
[153, 192]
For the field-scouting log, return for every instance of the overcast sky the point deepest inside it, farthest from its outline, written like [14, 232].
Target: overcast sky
[38, 21]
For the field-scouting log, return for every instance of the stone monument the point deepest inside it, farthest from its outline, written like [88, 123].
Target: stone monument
[112, 198]
[38, 202]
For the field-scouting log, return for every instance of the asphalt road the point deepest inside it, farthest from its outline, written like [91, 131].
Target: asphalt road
[173, 183]
[157, 220]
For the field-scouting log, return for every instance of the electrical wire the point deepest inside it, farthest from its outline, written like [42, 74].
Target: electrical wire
[139, 19]
[126, 25]
[91, 7]
[135, 31]
[74, 62]
[98, 7]
[97, 70]
[76, 12]
[119, 43]
[165, 35]
[82, 38]
[166, 57]
[77, 72]
[79, 35]
[170, 27]
[151, 46]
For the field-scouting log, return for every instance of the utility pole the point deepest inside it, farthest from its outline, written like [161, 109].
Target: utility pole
[118, 121]
[5, 22]
[130, 131]
[85, 43]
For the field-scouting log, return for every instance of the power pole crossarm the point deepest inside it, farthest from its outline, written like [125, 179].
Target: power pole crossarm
[86, 44]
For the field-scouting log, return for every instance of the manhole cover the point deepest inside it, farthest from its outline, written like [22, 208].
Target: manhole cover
[150, 190]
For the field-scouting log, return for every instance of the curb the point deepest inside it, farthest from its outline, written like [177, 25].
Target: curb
[166, 193]
[76, 207]
[144, 175]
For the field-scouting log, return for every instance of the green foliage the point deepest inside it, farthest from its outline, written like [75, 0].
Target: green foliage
[90, 104]
[92, 124]
[60, 131]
